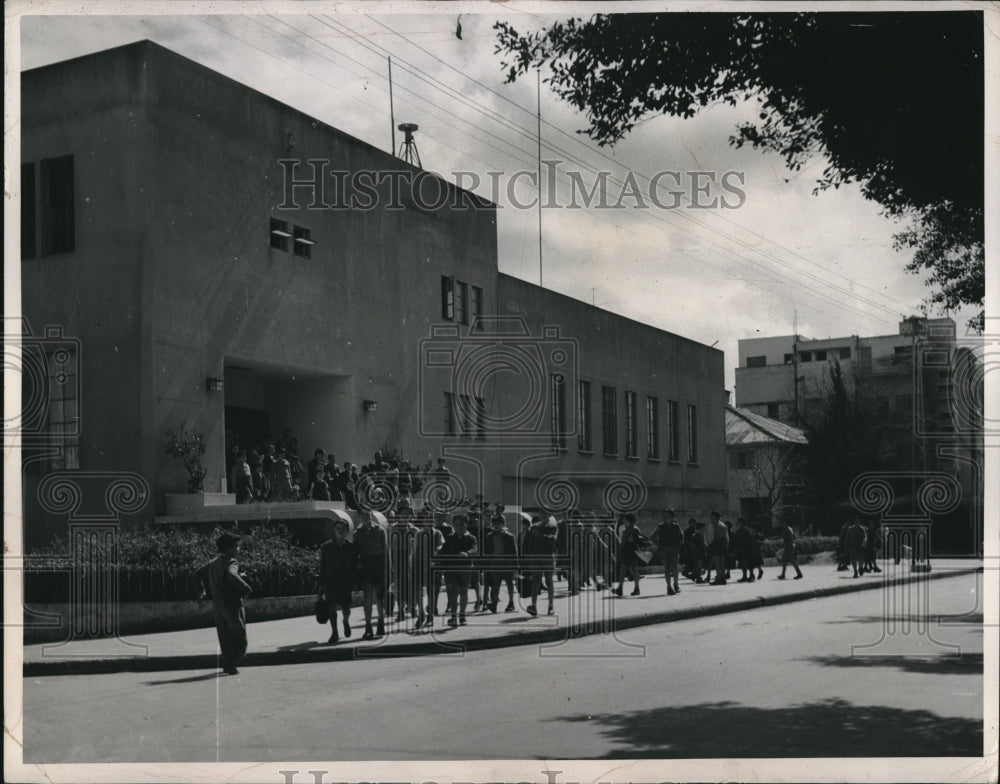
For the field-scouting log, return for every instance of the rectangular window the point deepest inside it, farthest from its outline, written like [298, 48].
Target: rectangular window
[447, 297]
[63, 411]
[449, 413]
[477, 307]
[480, 418]
[57, 204]
[631, 425]
[583, 441]
[789, 359]
[820, 356]
[558, 403]
[902, 354]
[28, 213]
[464, 415]
[461, 302]
[744, 460]
[773, 410]
[652, 428]
[278, 234]
[673, 431]
[756, 362]
[805, 356]
[302, 242]
[845, 353]
[609, 412]
[692, 434]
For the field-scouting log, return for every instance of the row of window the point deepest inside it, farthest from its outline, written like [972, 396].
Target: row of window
[465, 416]
[817, 355]
[283, 235]
[460, 301]
[609, 424]
[47, 207]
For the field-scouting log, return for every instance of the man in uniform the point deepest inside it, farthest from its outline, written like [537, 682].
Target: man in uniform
[220, 578]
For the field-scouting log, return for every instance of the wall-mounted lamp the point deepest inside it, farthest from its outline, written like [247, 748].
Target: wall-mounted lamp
[370, 406]
[213, 384]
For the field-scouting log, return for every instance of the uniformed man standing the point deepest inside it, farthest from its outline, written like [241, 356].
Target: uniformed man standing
[221, 580]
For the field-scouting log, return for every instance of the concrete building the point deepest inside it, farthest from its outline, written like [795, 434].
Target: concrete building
[922, 387]
[211, 260]
[788, 378]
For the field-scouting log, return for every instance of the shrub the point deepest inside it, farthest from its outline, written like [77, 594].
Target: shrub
[189, 449]
[157, 564]
[805, 545]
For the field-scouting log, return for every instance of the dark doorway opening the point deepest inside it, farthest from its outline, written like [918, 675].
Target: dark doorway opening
[247, 429]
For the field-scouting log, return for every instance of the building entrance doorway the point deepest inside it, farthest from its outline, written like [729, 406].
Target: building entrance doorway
[246, 428]
[264, 399]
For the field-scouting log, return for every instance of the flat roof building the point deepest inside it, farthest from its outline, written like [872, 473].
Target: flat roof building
[213, 261]
[921, 388]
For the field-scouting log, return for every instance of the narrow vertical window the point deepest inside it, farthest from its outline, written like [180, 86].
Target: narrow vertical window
[449, 413]
[465, 421]
[557, 389]
[652, 428]
[447, 297]
[692, 434]
[631, 425]
[480, 418]
[673, 433]
[28, 214]
[461, 302]
[57, 205]
[477, 307]
[583, 441]
[609, 412]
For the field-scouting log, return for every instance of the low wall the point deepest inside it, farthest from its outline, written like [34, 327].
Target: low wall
[152, 617]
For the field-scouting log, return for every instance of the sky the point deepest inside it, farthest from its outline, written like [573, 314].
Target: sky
[781, 256]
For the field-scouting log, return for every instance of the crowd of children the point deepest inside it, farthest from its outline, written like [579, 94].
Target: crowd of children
[273, 471]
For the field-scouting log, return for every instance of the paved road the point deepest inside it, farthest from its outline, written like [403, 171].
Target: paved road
[773, 682]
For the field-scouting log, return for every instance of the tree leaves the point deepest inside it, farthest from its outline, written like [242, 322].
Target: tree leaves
[894, 101]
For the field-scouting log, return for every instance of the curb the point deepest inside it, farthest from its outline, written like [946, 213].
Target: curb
[439, 647]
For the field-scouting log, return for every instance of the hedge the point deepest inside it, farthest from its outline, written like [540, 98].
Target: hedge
[158, 564]
[805, 545]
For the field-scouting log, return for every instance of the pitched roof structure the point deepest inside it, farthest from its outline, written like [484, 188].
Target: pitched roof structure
[746, 427]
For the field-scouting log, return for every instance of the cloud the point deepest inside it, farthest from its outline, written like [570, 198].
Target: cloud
[711, 275]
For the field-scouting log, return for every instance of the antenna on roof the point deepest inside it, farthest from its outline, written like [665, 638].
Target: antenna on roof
[408, 149]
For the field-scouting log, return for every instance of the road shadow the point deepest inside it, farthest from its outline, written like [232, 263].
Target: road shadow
[305, 646]
[945, 664]
[827, 728]
[190, 679]
[934, 619]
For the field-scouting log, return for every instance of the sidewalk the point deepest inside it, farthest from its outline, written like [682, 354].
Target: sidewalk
[302, 640]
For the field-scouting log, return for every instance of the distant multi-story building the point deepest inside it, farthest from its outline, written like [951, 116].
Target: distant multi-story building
[788, 378]
[922, 387]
